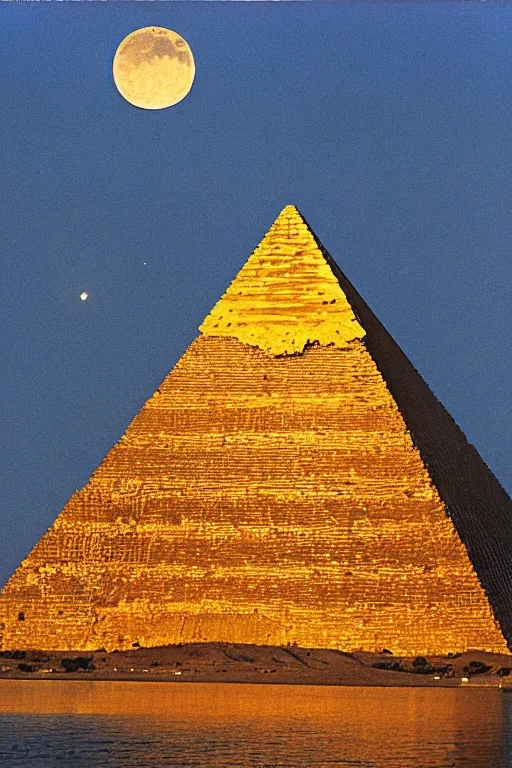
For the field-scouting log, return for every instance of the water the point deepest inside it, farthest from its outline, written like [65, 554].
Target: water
[49, 724]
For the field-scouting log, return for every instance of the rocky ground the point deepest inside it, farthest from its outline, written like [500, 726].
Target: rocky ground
[226, 662]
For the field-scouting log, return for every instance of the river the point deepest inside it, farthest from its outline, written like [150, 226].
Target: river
[52, 724]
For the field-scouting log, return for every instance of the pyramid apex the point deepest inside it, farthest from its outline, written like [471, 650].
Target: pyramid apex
[290, 214]
[286, 297]
[289, 209]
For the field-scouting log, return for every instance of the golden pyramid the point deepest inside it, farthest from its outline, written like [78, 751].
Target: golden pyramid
[292, 480]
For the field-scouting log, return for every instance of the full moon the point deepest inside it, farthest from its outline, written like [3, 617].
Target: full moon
[153, 68]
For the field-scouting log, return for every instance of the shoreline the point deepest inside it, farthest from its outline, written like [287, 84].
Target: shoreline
[261, 665]
[490, 685]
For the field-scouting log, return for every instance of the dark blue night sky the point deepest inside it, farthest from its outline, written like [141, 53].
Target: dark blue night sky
[388, 126]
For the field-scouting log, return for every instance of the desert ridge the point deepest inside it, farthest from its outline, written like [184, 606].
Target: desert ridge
[234, 663]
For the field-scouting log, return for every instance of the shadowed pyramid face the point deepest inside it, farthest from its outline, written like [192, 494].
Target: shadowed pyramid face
[292, 480]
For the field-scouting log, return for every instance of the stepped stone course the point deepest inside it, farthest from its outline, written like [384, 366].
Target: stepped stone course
[293, 480]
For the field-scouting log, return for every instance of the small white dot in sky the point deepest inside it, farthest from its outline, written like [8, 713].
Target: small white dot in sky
[84, 295]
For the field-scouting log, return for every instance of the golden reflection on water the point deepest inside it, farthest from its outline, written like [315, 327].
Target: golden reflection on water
[424, 727]
[417, 705]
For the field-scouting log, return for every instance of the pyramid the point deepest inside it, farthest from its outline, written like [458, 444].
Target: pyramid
[292, 480]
